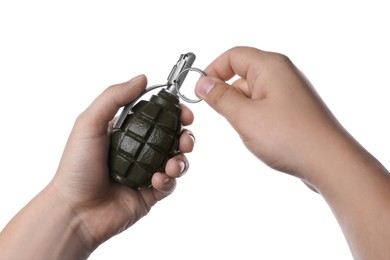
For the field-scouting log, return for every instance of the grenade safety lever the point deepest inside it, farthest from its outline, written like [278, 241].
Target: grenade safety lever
[146, 134]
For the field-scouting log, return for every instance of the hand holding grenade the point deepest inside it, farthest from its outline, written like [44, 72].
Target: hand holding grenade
[146, 134]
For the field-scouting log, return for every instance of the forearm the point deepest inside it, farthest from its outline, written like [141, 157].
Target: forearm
[357, 188]
[44, 229]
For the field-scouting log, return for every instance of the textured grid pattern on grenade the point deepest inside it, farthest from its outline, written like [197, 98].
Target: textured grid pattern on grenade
[149, 138]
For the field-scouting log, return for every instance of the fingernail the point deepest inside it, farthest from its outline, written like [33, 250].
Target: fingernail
[137, 78]
[182, 167]
[204, 86]
[192, 136]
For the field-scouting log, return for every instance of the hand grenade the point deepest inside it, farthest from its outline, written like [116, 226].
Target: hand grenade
[146, 134]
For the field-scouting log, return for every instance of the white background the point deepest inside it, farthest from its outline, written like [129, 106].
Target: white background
[56, 57]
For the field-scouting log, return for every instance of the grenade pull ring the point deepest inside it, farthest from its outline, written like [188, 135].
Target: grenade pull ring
[189, 100]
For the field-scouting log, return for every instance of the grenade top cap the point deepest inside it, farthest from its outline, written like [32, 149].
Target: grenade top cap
[180, 70]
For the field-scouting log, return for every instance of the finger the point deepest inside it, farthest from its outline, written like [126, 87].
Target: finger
[242, 61]
[242, 85]
[106, 105]
[187, 142]
[162, 185]
[186, 115]
[177, 166]
[222, 97]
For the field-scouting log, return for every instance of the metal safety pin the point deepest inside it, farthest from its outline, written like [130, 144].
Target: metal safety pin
[175, 80]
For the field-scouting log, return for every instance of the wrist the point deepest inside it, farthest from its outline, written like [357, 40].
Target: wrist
[357, 189]
[325, 156]
[338, 162]
[46, 228]
[75, 234]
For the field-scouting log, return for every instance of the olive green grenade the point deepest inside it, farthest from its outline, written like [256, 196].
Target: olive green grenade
[146, 134]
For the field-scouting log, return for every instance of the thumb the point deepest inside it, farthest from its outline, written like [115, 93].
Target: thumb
[222, 97]
[106, 105]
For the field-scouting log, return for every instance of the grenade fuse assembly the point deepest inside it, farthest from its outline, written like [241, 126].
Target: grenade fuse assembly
[146, 134]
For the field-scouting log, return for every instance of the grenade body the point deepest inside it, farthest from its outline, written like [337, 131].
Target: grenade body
[147, 139]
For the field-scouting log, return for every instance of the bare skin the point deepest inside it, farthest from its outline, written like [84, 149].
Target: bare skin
[284, 123]
[278, 116]
[81, 208]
